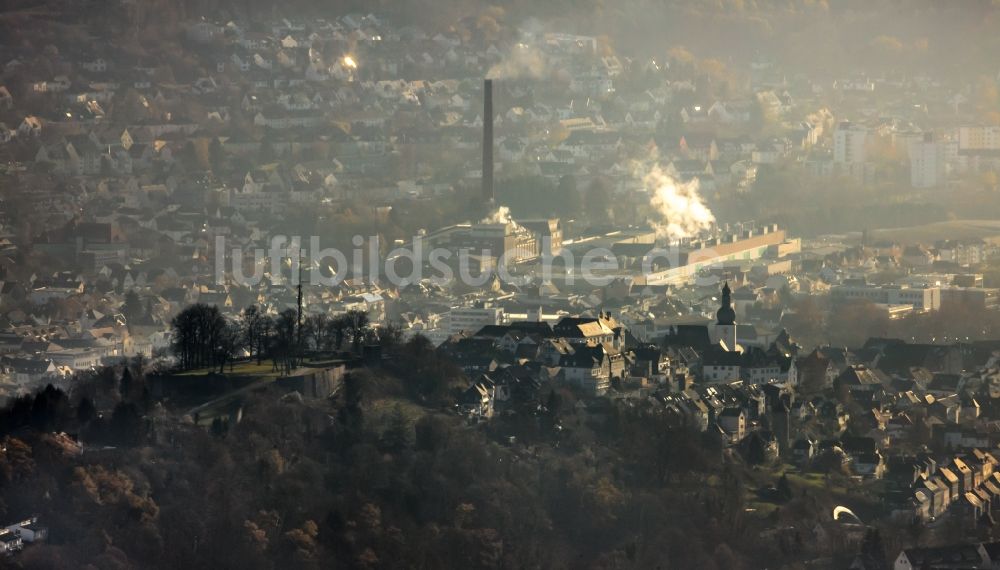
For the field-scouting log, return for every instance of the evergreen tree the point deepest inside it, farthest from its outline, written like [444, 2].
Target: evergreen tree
[351, 416]
[873, 551]
[125, 385]
[396, 436]
[85, 411]
[126, 424]
[216, 156]
[784, 489]
[132, 308]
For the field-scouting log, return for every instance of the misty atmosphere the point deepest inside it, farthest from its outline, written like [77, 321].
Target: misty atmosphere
[689, 284]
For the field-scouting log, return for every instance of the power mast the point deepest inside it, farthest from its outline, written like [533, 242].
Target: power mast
[298, 313]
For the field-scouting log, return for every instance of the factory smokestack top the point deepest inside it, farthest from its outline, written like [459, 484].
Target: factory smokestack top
[487, 189]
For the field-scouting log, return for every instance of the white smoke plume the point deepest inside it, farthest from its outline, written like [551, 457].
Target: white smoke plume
[500, 216]
[523, 61]
[677, 208]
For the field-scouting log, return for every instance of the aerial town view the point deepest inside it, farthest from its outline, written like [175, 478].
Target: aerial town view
[421, 284]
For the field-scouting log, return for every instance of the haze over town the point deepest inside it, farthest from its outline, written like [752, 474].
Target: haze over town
[452, 284]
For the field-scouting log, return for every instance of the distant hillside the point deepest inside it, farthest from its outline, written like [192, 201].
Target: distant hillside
[844, 37]
[929, 233]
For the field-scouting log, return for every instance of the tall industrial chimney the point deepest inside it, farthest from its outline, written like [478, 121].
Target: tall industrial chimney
[488, 140]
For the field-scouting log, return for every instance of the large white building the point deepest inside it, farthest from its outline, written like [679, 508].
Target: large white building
[979, 138]
[471, 319]
[927, 164]
[920, 298]
[849, 142]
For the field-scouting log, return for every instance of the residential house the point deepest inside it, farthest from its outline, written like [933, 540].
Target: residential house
[10, 542]
[478, 399]
[30, 126]
[29, 530]
[955, 557]
[28, 372]
[593, 367]
[733, 423]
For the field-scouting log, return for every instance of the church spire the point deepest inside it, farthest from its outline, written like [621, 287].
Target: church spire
[726, 315]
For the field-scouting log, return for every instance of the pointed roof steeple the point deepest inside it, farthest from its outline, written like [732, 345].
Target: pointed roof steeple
[726, 315]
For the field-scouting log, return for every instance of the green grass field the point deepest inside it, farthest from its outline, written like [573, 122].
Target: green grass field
[249, 369]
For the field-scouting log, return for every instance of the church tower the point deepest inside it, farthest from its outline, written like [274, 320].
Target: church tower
[725, 323]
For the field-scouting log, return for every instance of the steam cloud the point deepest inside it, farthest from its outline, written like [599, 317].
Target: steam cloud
[678, 210]
[499, 216]
[523, 61]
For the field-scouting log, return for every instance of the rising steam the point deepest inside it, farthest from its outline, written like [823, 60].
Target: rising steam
[523, 61]
[499, 216]
[677, 208]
